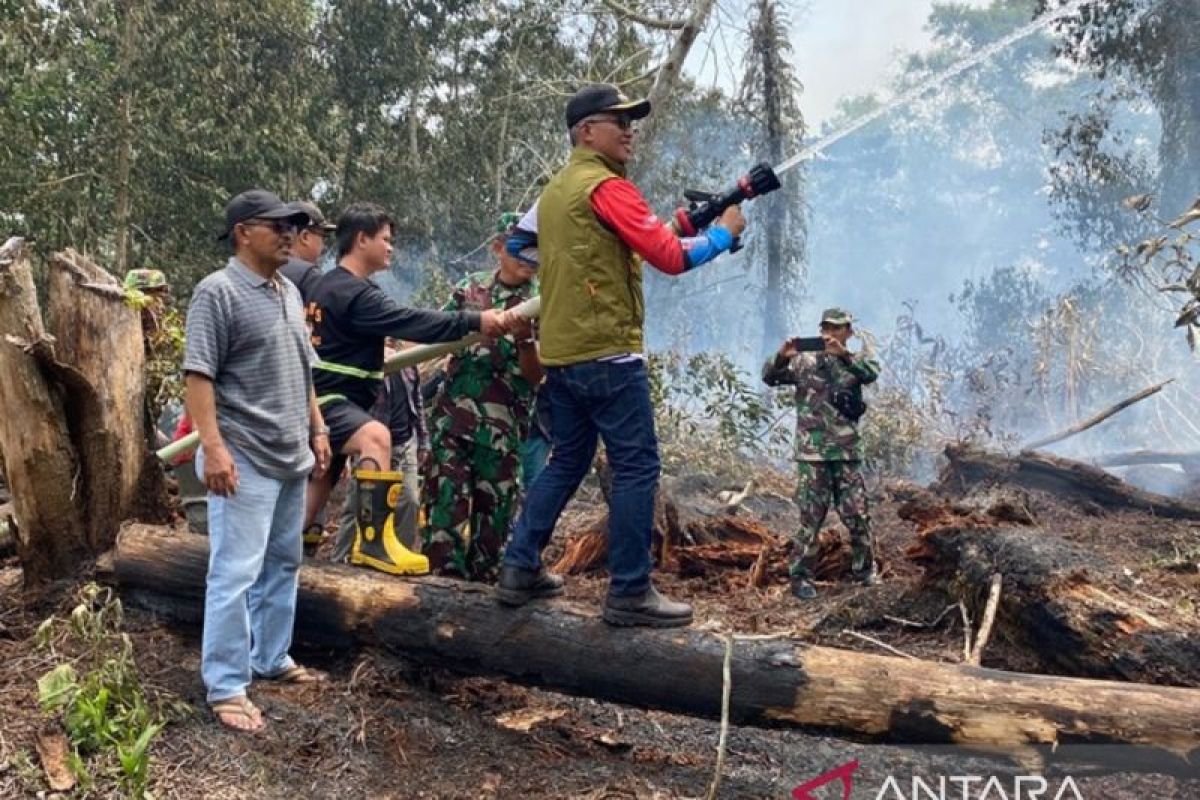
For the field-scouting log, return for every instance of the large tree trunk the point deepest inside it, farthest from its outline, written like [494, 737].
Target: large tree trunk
[39, 457]
[774, 320]
[1176, 91]
[1068, 480]
[774, 681]
[1066, 606]
[71, 432]
[100, 352]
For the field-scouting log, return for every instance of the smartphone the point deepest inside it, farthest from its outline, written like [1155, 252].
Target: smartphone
[808, 344]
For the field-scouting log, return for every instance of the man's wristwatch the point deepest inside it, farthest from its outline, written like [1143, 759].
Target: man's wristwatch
[321, 431]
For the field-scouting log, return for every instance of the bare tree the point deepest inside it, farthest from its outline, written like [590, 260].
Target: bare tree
[770, 95]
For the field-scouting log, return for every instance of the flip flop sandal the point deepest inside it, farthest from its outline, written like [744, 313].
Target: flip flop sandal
[297, 674]
[242, 707]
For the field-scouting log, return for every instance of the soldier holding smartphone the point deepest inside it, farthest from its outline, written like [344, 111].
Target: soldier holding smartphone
[828, 378]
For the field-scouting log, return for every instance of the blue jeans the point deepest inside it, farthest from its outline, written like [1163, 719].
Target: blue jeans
[255, 549]
[534, 452]
[592, 400]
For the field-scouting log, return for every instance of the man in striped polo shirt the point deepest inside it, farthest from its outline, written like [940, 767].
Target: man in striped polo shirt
[247, 364]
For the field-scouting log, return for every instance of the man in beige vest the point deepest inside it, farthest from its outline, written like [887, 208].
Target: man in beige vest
[593, 230]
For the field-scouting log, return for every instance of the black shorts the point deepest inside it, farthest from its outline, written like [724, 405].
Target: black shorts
[343, 418]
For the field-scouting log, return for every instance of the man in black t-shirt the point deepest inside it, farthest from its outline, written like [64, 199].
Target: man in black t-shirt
[350, 316]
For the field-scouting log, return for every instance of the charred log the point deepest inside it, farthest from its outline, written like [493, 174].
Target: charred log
[1063, 604]
[1068, 480]
[774, 681]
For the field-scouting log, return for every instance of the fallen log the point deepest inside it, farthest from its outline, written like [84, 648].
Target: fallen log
[775, 681]
[1065, 605]
[1067, 480]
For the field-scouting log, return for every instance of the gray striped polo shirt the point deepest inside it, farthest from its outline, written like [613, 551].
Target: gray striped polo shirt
[247, 334]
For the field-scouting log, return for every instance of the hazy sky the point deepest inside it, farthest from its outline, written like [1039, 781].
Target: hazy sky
[841, 47]
[846, 47]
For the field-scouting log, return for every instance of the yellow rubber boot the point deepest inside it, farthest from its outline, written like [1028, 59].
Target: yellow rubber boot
[312, 537]
[375, 542]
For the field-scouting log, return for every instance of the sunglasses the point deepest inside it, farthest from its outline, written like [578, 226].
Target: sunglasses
[623, 122]
[279, 226]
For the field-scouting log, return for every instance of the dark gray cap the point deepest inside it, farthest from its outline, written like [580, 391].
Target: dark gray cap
[259, 204]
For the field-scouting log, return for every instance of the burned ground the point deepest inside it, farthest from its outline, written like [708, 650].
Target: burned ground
[388, 728]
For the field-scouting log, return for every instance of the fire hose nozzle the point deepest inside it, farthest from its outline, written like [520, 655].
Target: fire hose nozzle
[704, 207]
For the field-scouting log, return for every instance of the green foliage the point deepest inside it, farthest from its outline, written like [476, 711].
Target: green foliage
[895, 432]
[435, 291]
[129, 123]
[709, 417]
[108, 719]
[135, 120]
[27, 770]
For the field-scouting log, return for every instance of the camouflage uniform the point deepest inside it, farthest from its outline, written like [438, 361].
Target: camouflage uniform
[828, 451]
[478, 422]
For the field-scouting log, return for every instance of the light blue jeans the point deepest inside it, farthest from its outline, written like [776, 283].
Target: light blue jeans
[255, 549]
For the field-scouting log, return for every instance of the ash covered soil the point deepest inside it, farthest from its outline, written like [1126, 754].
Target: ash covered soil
[385, 728]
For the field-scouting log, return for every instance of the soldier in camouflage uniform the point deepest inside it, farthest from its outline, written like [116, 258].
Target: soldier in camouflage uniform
[478, 422]
[829, 453]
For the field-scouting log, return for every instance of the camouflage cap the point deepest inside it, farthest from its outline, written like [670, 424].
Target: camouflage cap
[316, 219]
[507, 221]
[145, 279]
[836, 316]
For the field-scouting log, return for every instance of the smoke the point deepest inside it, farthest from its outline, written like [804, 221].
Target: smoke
[934, 226]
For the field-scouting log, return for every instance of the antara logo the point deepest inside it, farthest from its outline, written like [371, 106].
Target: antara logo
[845, 772]
[978, 787]
[944, 787]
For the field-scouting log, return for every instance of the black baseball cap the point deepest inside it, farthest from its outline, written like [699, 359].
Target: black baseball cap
[259, 204]
[598, 97]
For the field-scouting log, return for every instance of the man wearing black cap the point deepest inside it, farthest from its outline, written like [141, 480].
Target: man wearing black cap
[247, 365]
[301, 267]
[594, 228]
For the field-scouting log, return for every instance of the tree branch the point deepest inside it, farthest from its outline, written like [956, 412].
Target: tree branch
[642, 19]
